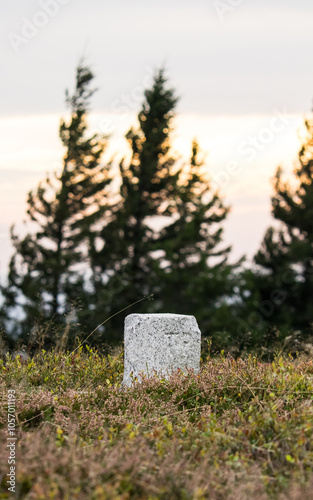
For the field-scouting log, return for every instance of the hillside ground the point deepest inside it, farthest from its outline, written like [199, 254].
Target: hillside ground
[240, 429]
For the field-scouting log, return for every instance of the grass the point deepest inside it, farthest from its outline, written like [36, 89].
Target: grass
[240, 429]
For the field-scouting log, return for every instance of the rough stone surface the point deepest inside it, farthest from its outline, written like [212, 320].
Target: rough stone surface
[160, 343]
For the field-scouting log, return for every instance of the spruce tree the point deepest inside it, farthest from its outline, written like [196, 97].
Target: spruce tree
[165, 230]
[125, 263]
[283, 285]
[48, 270]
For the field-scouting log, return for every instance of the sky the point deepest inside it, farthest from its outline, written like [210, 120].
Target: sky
[240, 67]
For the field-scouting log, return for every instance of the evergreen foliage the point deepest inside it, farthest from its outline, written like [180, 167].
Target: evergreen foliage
[283, 283]
[47, 272]
[165, 233]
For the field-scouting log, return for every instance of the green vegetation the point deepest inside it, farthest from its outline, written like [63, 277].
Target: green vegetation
[99, 242]
[165, 235]
[104, 235]
[239, 429]
[281, 283]
[48, 269]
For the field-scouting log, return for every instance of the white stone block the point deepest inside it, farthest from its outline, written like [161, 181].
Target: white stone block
[160, 343]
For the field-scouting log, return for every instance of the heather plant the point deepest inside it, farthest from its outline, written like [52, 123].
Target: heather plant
[240, 428]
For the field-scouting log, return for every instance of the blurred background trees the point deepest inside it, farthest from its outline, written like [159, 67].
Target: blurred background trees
[165, 234]
[50, 266]
[95, 245]
[281, 283]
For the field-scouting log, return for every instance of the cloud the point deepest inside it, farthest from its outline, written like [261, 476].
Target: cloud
[233, 67]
